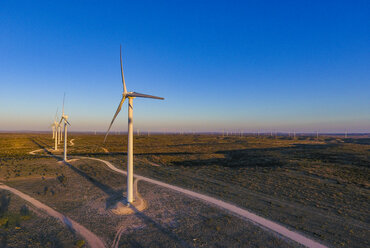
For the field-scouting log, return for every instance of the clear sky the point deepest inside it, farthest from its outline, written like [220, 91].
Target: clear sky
[234, 65]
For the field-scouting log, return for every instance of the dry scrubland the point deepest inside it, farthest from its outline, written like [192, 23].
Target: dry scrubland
[24, 226]
[319, 187]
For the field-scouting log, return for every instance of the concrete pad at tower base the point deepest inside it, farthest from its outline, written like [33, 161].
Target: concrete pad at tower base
[68, 160]
[123, 208]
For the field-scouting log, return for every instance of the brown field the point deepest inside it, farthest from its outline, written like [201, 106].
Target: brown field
[318, 187]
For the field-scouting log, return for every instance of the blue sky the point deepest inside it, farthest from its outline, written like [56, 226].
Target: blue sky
[234, 65]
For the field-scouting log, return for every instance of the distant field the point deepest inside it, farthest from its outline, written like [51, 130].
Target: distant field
[319, 187]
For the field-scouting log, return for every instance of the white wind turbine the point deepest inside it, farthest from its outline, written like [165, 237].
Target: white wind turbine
[64, 118]
[60, 129]
[56, 136]
[130, 96]
[55, 126]
[59, 133]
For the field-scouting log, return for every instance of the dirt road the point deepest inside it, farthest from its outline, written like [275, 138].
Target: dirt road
[258, 220]
[93, 240]
[277, 228]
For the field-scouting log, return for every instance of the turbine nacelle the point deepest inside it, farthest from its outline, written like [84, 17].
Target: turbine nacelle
[65, 119]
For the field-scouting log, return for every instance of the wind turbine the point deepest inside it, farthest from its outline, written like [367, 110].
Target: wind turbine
[55, 131]
[53, 128]
[53, 125]
[130, 145]
[56, 136]
[59, 132]
[64, 118]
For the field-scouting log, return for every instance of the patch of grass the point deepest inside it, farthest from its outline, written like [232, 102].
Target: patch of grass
[80, 243]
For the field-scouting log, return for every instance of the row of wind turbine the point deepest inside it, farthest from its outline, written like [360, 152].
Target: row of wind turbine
[57, 131]
[64, 119]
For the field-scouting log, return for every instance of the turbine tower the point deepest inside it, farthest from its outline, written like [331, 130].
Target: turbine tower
[59, 133]
[64, 118]
[130, 146]
[55, 131]
[53, 128]
[56, 137]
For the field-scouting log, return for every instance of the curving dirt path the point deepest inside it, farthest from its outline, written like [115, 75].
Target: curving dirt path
[71, 142]
[33, 152]
[258, 220]
[93, 240]
[283, 231]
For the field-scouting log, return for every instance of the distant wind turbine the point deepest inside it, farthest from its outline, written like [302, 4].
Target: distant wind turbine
[64, 118]
[53, 128]
[59, 133]
[56, 137]
[55, 131]
[130, 146]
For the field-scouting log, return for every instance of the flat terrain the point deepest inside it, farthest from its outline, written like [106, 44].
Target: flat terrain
[318, 187]
[24, 226]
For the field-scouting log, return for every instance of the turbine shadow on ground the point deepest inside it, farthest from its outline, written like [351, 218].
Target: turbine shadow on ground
[125, 153]
[113, 195]
[116, 196]
[276, 157]
[43, 146]
[164, 230]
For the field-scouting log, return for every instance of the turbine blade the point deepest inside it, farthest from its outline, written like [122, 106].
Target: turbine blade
[135, 94]
[123, 78]
[115, 115]
[68, 122]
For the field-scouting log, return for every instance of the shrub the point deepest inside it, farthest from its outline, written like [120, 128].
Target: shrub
[80, 243]
[4, 203]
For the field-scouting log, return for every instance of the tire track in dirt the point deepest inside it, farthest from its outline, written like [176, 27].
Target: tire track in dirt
[117, 238]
